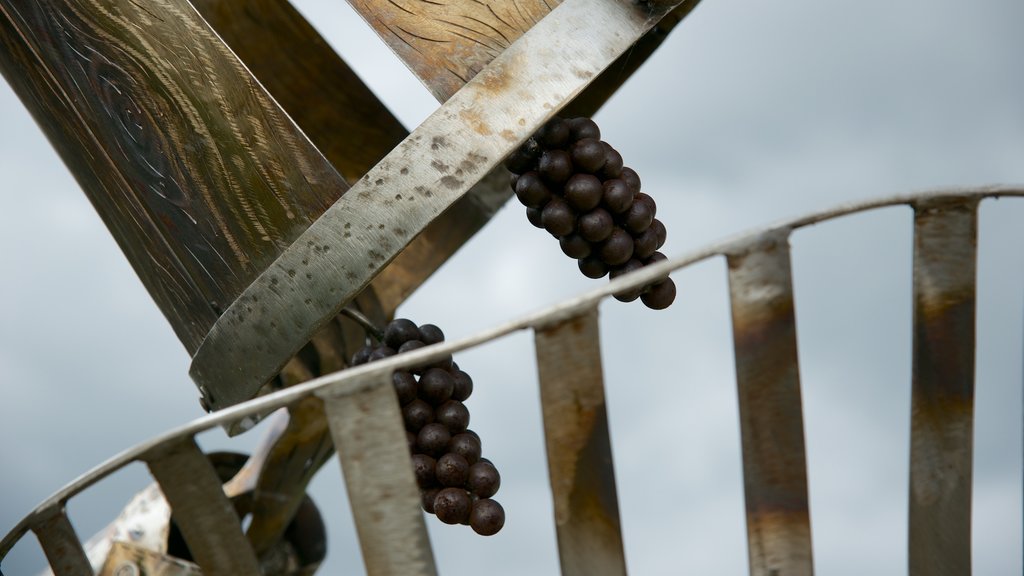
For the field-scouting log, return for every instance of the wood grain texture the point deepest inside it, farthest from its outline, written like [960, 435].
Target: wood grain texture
[199, 175]
[446, 43]
[124, 556]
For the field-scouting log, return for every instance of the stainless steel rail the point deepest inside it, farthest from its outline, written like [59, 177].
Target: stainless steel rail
[363, 417]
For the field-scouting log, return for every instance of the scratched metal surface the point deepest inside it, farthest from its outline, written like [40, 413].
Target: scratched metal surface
[952, 257]
[455, 147]
[942, 400]
[447, 44]
[199, 175]
[771, 413]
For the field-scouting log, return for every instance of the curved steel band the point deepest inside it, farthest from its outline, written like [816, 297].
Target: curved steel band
[361, 233]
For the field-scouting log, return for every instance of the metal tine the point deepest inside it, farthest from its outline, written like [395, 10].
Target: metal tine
[942, 403]
[578, 447]
[61, 545]
[370, 439]
[771, 417]
[204, 515]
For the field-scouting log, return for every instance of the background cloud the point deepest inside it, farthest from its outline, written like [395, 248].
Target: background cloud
[749, 113]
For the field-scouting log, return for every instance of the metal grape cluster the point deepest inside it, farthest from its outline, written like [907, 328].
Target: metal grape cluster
[456, 483]
[574, 185]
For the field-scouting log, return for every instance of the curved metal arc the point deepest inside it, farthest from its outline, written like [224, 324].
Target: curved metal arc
[357, 378]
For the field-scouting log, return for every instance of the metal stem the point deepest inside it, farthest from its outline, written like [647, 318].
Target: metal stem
[365, 322]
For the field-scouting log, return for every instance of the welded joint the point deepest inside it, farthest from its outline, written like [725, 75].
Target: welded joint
[760, 273]
[767, 241]
[343, 389]
[944, 203]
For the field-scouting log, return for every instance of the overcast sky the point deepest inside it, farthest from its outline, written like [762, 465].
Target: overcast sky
[750, 112]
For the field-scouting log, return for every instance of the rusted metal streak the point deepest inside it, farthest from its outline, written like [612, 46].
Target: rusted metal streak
[61, 545]
[339, 254]
[771, 416]
[370, 438]
[942, 407]
[202, 512]
[579, 448]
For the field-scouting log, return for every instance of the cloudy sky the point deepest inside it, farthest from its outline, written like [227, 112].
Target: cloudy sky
[751, 112]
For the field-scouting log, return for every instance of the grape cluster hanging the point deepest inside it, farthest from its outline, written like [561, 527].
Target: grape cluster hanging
[574, 185]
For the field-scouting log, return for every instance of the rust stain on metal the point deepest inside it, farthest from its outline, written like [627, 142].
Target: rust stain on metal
[942, 402]
[771, 416]
[578, 446]
[473, 118]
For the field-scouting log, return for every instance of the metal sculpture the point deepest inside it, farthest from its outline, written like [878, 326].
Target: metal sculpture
[258, 188]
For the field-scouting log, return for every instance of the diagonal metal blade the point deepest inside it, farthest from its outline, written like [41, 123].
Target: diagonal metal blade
[453, 149]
